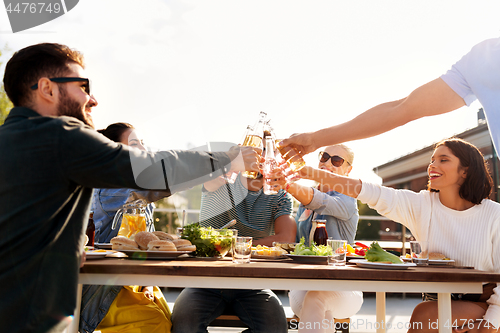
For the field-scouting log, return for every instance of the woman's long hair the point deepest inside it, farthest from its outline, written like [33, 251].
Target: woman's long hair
[478, 183]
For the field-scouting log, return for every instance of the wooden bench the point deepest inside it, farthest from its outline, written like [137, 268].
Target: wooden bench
[341, 325]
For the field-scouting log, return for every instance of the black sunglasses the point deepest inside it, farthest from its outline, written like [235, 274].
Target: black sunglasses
[86, 87]
[337, 161]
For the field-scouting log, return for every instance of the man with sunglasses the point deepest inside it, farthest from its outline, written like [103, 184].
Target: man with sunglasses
[340, 211]
[52, 158]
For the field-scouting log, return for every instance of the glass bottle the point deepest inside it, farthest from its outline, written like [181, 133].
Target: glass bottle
[231, 176]
[91, 229]
[320, 236]
[254, 139]
[269, 165]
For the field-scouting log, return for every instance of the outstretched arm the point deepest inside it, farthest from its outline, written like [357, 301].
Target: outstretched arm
[433, 98]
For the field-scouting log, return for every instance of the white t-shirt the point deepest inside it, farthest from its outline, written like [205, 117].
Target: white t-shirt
[477, 76]
[470, 237]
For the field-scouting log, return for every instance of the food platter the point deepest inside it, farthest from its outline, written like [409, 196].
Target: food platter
[154, 255]
[261, 256]
[377, 265]
[433, 261]
[309, 259]
[441, 262]
[97, 254]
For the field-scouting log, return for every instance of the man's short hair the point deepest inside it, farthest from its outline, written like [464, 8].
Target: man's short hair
[30, 64]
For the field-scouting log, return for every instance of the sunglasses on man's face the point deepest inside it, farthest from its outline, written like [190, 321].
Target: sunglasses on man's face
[336, 160]
[86, 86]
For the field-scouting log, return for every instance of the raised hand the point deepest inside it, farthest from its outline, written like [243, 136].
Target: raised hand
[303, 143]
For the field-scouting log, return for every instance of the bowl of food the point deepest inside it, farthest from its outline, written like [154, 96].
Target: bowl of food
[209, 242]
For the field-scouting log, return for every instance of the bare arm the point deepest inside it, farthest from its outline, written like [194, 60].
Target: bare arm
[433, 98]
[303, 194]
[332, 182]
[285, 230]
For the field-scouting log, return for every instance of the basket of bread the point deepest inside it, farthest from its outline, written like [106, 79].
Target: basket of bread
[157, 244]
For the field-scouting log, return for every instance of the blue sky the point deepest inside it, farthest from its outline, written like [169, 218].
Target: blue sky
[187, 72]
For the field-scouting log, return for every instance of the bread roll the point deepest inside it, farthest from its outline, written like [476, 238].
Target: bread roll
[123, 243]
[161, 245]
[191, 248]
[436, 256]
[164, 236]
[143, 238]
[181, 242]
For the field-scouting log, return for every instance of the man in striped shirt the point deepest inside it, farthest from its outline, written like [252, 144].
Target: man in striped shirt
[266, 218]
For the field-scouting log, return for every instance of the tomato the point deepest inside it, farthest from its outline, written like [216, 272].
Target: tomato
[360, 252]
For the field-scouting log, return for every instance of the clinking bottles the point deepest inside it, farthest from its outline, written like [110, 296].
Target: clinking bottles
[269, 165]
[254, 139]
[232, 175]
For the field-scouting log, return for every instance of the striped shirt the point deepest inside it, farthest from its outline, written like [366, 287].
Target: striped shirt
[254, 211]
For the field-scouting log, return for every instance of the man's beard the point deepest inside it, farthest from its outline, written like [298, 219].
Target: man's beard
[69, 107]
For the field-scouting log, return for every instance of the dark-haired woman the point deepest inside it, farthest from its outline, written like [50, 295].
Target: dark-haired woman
[107, 201]
[124, 309]
[454, 216]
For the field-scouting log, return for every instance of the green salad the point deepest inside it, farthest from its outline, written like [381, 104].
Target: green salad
[314, 250]
[209, 242]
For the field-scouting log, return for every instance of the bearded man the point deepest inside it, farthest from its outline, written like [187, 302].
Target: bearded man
[51, 159]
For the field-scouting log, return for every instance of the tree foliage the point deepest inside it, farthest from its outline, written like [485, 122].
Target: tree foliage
[5, 103]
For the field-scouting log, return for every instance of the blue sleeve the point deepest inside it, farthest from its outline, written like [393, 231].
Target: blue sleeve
[332, 203]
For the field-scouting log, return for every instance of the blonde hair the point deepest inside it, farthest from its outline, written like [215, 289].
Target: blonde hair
[350, 154]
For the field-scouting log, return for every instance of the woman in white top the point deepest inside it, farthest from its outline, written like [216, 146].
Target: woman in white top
[454, 215]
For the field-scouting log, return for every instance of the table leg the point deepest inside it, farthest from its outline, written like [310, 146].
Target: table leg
[380, 308]
[444, 312]
[73, 327]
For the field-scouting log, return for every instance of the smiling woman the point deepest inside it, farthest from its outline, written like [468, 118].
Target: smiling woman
[453, 215]
[459, 164]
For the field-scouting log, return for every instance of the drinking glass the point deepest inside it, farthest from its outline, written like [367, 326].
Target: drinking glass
[242, 249]
[419, 253]
[339, 252]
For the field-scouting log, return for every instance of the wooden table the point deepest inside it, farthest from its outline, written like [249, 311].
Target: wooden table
[290, 275]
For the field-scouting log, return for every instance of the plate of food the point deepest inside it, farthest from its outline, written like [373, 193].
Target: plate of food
[309, 259]
[97, 254]
[149, 245]
[266, 252]
[381, 265]
[104, 246]
[314, 254]
[435, 258]
[143, 255]
[377, 257]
